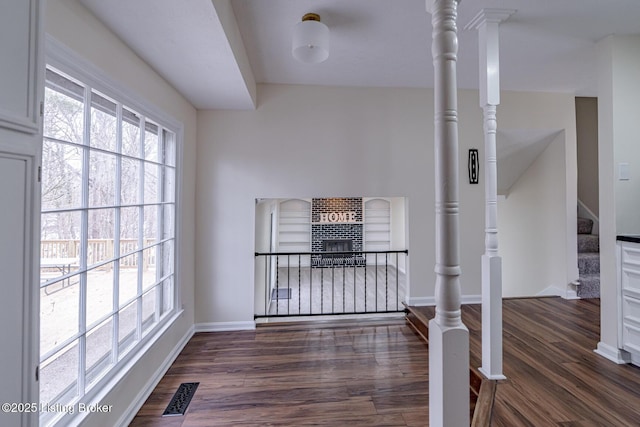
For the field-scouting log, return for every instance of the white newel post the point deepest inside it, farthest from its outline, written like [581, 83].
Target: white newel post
[487, 23]
[448, 336]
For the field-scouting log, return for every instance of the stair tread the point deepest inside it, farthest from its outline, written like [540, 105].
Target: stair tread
[589, 289]
[588, 263]
[588, 237]
[589, 255]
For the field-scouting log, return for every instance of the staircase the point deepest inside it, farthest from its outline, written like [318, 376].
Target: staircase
[588, 260]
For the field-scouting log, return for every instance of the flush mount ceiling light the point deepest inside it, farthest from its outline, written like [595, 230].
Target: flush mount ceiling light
[310, 40]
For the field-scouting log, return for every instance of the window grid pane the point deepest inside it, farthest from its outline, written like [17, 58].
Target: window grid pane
[102, 179]
[99, 293]
[151, 142]
[59, 376]
[107, 198]
[62, 179]
[130, 133]
[99, 351]
[127, 326]
[103, 123]
[149, 310]
[64, 115]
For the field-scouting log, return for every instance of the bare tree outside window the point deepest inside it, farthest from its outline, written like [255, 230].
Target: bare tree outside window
[107, 235]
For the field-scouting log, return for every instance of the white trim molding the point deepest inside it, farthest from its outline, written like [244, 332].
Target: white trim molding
[421, 301]
[429, 301]
[59, 56]
[618, 356]
[225, 326]
[551, 291]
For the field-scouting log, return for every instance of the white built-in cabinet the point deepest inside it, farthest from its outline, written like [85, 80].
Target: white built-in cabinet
[294, 227]
[629, 291]
[377, 225]
[21, 88]
[20, 65]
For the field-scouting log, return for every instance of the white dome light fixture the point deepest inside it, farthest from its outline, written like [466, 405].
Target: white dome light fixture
[310, 40]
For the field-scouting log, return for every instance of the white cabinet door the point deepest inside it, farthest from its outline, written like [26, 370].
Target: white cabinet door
[629, 288]
[19, 66]
[21, 88]
[17, 378]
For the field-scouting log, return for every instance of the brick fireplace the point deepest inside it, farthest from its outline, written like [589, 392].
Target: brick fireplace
[336, 226]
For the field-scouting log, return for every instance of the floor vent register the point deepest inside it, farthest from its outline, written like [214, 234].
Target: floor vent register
[180, 400]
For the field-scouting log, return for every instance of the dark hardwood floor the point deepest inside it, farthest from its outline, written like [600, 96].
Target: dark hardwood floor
[369, 374]
[376, 373]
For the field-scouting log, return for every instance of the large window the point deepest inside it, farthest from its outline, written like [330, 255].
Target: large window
[108, 236]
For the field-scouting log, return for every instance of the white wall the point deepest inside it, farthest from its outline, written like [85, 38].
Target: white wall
[340, 142]
[618, 134]
[552, 112]
[73, 25]
[531, 226]
[626, 134]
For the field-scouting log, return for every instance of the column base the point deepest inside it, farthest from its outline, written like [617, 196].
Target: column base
[492, 317]
[490, 376]
[448, 375]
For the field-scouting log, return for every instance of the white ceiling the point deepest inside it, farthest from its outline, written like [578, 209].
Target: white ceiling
[215, 51]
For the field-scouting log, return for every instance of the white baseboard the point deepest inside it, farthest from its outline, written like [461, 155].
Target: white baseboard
[616, 355]
[551, 291]
[225, 326]
[427, 301]
[471, 299]
[421, 301]
[571, 294]
[554, 291]
[129, 414]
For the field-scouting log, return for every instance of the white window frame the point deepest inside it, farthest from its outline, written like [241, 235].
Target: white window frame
[66, 61]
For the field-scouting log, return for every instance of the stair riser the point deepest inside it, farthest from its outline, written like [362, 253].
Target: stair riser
[588, 266]
[589, 290]
[588, 243]
[585, 226]
[588, 260]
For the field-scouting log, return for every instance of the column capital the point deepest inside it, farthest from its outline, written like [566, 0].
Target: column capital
[487, 22]
[488, 16]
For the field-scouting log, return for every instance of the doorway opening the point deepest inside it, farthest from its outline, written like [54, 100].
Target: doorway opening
[330, 256]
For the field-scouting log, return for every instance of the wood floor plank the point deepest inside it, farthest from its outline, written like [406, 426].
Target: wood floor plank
[377, 374]
[484, 406]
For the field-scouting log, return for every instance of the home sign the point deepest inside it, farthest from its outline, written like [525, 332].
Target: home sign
[337, 217]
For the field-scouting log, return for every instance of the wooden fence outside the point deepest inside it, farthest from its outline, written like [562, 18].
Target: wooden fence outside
[100, 250]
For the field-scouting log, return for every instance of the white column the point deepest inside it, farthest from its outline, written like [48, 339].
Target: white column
[448, 336]
[487, 23]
